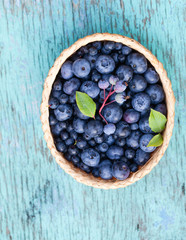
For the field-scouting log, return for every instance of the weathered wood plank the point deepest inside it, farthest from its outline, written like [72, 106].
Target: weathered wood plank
[37, 199]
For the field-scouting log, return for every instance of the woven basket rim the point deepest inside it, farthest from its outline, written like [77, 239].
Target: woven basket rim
[78, 174]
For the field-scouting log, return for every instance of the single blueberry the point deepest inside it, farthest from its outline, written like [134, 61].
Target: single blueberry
[93, 128]
[144, 141]
[90, 157]
[141, 102]
[133, 140]
[115, 152]
[57, 128]
[84, 167]
[112, 113]
[109, 45]
[90, 88]
[130, 153]
[134, 126]
[109, 128]
[81, 143]
[63, 98]
[151, 76]
[66, 70]
[75, 159]
[103, 147]
[120, 142]
[61, 147]
[124, 73]
[53, 103]
[120, 170]
[122, 129]
[126, 50]
[52, 120]
[92, 142]
[95, 76]
[103, 84]
[69, 141]
[81, 68]
[92, 60]
[118, 45]
[115, 55]
[64, 135]
[73, 134]
[93, 51]
[95, 172]
[55, 94]
[161, 108]
[144, 124]
[131, 116]
[63, 112]
[133, 167]
[99, 139]
[138, 62]
[121, 58]
[138, 84]
[105, 51]
[97, 45]
[109, 139]
[73, 150]
[141, 157]
[79, 125]
[105, 170]
[71, 86]
[105, 64]
[57, 86]
[156, 93]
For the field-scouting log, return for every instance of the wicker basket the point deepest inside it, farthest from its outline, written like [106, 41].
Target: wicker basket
[77, 173]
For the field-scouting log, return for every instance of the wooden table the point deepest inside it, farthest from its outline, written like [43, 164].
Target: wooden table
[38, 200]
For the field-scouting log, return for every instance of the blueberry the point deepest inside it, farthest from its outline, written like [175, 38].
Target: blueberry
[124, 73]
[114, 152]
[133, 140]
[52, 120]
[113, 79]
[79, 113]
[141, 157]
[84, 167]
[69, 141]
[105, 51]
[90, 157]
[81, 143]
[115, 57]
[161, 108]
[66, 70]
[126, 50]
[99, 139]
[105, 64]
[144, 141]
[120, 170]
[93, 51]
[63, 112]
[93, 128]
[120, 98]
[144, 124]
[109, 139]
[71, 86]
[81, 68]
[131, 116]
[53, 103]
[138, 84]
[120, 86]
[122, 129]
[118, 45]
[103, 147]
[105, 170]
[83, 50]
[134, 126]
[95, 76]
[112, 113]
[57, 86]
[67, 156]
[61, 147]
[73, 150]
[91, 59]
[78, 125]
[156, 93]
[97, 44]
[73, 134]
[133, 167]
[120, 142]
[86, 137]
[92, 142]
[69, 127]
[121, 58]
[90, 88]
[109, 128]
[75, 159]
[63, 98]
[138, 62]
[56, 129]
[129, 153]
[55, 94]
[103, 84]
[108, 45]
[151, 76]
[64, 135]
[141, 102]
[95, 172]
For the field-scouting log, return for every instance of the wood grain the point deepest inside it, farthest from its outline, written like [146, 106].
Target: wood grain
[37, 199]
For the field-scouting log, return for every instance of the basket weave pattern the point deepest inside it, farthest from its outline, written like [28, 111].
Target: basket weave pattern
[77, 173]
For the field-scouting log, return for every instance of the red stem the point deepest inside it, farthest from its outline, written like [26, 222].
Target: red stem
[110, 102]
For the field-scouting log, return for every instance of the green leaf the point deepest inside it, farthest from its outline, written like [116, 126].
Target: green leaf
[157, 121]
[85, 104]
[156, 141]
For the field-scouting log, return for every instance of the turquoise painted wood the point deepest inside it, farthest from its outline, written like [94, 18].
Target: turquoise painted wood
[38, 200]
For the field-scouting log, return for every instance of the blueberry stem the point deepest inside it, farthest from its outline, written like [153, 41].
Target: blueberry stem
[104, 103]
[110, 102]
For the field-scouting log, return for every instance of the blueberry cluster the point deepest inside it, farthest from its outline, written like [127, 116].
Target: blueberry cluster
[124, 86]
